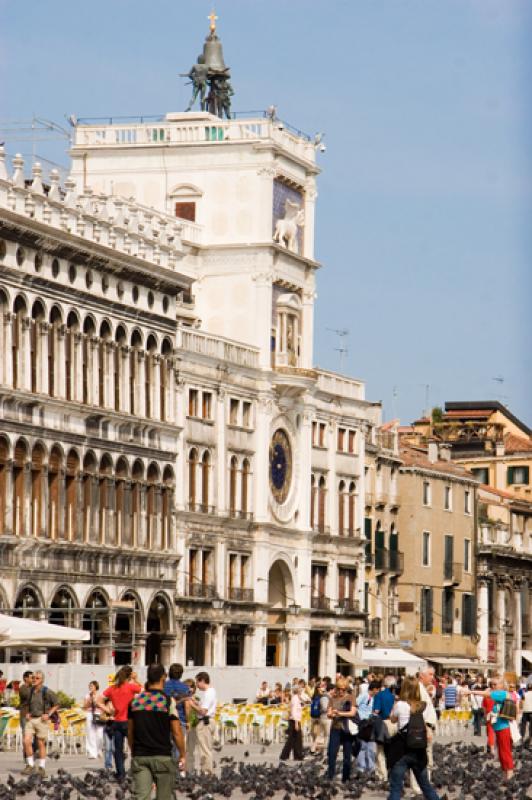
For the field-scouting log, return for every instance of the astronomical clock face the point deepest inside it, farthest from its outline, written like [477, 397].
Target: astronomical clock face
[280, 466]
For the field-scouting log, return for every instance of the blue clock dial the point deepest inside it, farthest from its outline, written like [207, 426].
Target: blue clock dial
[280, 466]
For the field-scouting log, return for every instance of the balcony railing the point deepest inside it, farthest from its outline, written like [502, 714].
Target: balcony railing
[239, 514]
[373, 628]
[202, 590]
[397, 561]
[240, 594]
[320, 603]
[350, 605]
[447, 626]
[452, 572]
[201, 508]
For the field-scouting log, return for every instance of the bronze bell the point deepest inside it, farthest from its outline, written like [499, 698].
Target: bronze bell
[213, 54]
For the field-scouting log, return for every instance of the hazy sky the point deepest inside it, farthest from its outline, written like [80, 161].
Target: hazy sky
[424, 208]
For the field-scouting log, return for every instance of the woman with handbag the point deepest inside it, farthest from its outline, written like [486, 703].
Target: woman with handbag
[341, 711]
[504, 710]
[407, 750]
[95, 721]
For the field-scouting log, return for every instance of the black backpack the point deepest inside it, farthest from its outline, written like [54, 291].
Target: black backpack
[315, 706]
[416, 732]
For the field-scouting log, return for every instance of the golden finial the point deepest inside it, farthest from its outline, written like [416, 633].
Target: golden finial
[212, 18]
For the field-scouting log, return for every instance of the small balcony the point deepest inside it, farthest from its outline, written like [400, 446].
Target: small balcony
[200, 508]
[240, 594]
[372, 628]
[320, 603]
[350, 605]
[447, 626]
[203, 591]
[452, 573]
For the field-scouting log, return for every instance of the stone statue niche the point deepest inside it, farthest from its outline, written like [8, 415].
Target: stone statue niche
[210, 78]
[286, 229]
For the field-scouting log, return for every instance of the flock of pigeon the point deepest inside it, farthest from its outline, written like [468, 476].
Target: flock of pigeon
[461, 772]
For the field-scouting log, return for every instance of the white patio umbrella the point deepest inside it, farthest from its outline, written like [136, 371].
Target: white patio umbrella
[28, 633]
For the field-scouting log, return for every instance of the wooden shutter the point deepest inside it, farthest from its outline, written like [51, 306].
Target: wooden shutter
[186, 211]
[510, 475]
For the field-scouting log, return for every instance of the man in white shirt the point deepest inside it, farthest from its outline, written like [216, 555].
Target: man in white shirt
[426, 691]
[206, 711]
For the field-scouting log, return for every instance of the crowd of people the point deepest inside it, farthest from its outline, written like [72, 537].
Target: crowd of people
[386, 724]
[382, 724]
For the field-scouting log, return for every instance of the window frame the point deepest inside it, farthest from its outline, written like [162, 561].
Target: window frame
[427, 502]
[426, 537]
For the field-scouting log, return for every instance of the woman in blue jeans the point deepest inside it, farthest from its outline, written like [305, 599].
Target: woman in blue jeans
[400, 758]
[341, 708]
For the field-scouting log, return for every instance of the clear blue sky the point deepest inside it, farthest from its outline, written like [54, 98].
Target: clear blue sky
[424, 210]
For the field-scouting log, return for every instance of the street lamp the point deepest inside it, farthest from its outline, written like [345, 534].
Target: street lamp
[294, 609]
[339, 609]
[218, 603]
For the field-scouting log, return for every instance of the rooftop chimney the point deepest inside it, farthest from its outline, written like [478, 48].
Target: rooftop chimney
[444, 451]
[433, 451]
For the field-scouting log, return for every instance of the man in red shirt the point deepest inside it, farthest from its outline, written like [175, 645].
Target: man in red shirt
[121, 693]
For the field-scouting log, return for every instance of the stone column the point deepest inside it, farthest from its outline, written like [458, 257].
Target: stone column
[77, 364]
[139, 649]
[291, 655]
[208, 654]
[109, 376]
[124, 354]
[27, 516]
[324, 656]
[331, 665]
[518, 629]
[305, 454]
[501, 627]
[92, 371]
[247, 659]
[310, 205]
[483, 619]
[219, 645]
[155, 386]
[24, 355]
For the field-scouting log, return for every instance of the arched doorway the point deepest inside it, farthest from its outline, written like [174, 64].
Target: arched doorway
[280, 595]
[157, 627]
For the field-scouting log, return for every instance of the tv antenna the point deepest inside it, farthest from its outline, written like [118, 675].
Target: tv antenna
[342, 334]
[500, 380]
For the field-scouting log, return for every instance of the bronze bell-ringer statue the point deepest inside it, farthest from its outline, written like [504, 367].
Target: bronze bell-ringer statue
[210, 72]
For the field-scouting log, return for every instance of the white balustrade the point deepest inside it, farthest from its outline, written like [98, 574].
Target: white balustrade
[339, 386]
[217, 347]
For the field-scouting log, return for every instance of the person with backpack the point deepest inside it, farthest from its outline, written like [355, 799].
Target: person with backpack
[407, 750]
[500, 717]
[341, 709]
[43, 706]
[318, 714]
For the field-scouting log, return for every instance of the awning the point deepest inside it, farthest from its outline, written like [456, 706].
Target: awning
[28, 633]
[527, 655]
[347, 655]
[458, 662]
[391, 657]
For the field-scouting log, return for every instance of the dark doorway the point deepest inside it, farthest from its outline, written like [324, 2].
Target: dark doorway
[153, 648]
[314, 654]
[196, 644]
[235, 646]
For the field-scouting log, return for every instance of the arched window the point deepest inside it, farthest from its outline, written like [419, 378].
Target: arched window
[89, 330]
[20, 455]
[167, 506]
[55, 466]
[136, 344]
[4, 460]
[205, 469]
[104, 497]
[37, 317]
[89, 472]
[71, 497]
[120, 341]
[20, 312]
[103, 366]
[37, 505]
[152, 508]
[351, 509]
[192, 477]
[322, 497]
[136, 503]
[151, 349]
[233, 474]
[244, 500]
[166, 351]
[72, 326]
[341, 508]
[56, 320]
[122, 515]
